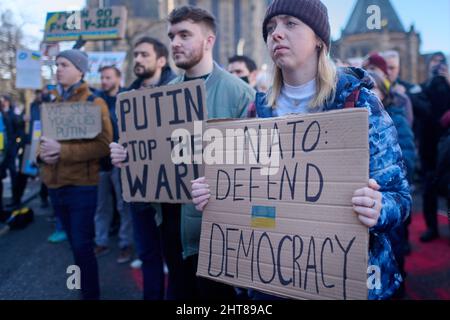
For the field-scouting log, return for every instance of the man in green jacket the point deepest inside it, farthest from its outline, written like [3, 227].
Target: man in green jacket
[192, 33]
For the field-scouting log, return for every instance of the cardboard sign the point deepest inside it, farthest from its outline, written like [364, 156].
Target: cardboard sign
[148, 120]
[97, 60]
[28, 69]
[290, 231]
[71, 120]
[89, 24]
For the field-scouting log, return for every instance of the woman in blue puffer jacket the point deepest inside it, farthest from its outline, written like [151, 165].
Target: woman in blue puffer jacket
[297, 34]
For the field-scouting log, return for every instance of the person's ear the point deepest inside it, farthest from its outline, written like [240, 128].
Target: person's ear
[161, 62]
[319, 43]
[80, 75]
[209, 42]
[253, 76]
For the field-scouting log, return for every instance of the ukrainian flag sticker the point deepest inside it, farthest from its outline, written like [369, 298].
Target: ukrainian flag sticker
[263, 217]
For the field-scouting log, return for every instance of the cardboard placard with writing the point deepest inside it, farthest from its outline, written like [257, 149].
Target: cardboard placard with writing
[152, 123]
[107, 23]
[71, 120]
[289, 232]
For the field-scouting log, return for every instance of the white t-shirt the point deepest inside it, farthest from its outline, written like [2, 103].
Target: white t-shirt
[295, 99]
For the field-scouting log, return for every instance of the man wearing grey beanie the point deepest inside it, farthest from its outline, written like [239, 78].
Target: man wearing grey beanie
[73, 65]
[78, 58]
[70, 169]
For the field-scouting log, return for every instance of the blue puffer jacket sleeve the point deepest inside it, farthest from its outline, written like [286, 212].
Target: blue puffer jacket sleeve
[386, 165]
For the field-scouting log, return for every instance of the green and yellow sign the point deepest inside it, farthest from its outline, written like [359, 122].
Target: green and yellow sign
[89, 24]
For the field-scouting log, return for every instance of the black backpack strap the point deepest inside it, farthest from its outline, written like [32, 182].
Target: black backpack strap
[91, 98]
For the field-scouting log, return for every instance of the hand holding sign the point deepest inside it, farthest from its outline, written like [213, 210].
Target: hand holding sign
[50, 150]
[200, 193]
[118, 154]
[367, 202]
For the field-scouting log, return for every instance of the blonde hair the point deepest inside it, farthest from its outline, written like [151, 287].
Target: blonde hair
[325, 81]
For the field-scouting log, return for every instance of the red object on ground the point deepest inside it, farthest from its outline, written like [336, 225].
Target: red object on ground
[136, 274]
[428, 265]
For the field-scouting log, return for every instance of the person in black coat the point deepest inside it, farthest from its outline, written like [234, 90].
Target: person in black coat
[15, 132]
[41, 96]
[437, 90]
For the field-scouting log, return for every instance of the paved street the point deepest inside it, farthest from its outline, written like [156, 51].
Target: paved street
[32, 268]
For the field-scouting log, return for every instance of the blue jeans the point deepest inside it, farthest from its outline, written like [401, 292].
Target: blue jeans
[148, 246]
[109, 183]
[58, 224]
[156, 244]
[75, 206]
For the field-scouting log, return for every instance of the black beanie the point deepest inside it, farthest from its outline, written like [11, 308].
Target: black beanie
[311, 12]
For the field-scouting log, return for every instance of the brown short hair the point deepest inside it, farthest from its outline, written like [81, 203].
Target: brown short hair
[114, 68]
[196, 14]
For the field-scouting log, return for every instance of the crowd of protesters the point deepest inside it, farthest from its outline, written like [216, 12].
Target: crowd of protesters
[82, 177]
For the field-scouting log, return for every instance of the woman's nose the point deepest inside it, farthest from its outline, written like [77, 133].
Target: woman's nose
[278, 33]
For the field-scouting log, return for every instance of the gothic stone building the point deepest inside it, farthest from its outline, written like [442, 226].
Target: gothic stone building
[358, 40]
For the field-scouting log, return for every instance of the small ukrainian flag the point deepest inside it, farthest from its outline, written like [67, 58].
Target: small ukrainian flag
[263, 217]
[36, 130]
[35, 56]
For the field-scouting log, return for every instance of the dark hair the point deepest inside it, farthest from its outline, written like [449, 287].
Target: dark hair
[249, 63]
[439, 54]
[196, 14]
[158, 46]
[116, 70]
[7, 98]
